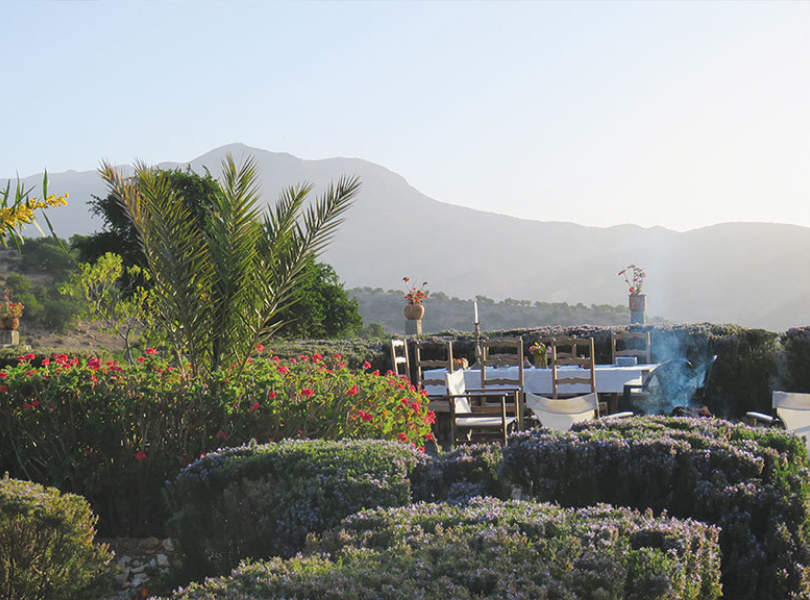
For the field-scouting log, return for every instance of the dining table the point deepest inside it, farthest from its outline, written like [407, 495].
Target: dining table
[610, 379]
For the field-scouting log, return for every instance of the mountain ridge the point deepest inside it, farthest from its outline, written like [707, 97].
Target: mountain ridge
[754, 274]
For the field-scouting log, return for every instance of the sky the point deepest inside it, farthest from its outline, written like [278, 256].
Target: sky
[672, 114]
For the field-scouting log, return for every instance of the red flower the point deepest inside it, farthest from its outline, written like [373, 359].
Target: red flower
[3, 388]
[283, 370]
[31, 373]
[337, 356]
[316, 357]
[352, 391]
[140, 456]
[366, 365]
[46, 362]
[141, 358]
[293, 360]
[221, 435]
[94, 363]
[375, 372]
[307, 392]
[271, 395]
[150, 351]
[366, 417]
[421, 449]
[259, 348]
[428, 436]
[404, 402]
[430, 417]
[253, 406]
[3, 374]
[402, 437]
[35, 402]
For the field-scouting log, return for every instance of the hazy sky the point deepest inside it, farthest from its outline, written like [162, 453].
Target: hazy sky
[672, 114]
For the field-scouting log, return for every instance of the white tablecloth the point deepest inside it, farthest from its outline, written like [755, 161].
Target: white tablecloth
[610, 379]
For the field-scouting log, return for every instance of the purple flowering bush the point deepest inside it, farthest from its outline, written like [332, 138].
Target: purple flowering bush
[262, 500]
[460, 474]
[488, 549]
[752, 483]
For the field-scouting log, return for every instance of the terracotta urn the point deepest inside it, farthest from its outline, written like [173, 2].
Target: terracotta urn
[414, 311]
[638, 302]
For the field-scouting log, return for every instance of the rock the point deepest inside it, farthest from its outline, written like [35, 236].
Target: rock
[138, 581]
[162, 561]
[151, 543]
[122, 577]
[138, 569]
[168, 545]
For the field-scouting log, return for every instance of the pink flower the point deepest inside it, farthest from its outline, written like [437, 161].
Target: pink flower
[46, 362]
[140, 456]
[316, 357]
[221, 435]
[141, 359]
[271, 395]
[352, 391]
[150, 351]
[307, 392]
[337, 356]
[253, 406]
[3, 374]
[402, 437]
[94, 363]
[259, 348]
[283, 370]
[366, 365]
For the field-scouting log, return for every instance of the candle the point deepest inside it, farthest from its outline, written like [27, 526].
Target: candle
[475, 309]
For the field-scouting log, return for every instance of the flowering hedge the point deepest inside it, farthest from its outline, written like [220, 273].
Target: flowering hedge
[488, 549]
[752, 483]
[262, 500]
[115, 433]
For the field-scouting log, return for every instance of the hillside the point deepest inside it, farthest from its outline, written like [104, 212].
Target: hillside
[755, 274]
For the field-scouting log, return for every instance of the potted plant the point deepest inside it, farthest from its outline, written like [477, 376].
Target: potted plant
[637, 300]
[414, 310]
[10, 313]
[539, 353]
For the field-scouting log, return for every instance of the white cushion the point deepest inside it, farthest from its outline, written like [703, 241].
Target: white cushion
[482, 421]
[794, 410]
[456, 386]
[561, 413]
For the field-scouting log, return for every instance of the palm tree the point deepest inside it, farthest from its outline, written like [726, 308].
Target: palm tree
[220, 282]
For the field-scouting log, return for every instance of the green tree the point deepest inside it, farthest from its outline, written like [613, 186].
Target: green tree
[223, 277]
[322, 308]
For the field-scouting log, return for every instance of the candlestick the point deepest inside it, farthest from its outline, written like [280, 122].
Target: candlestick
[475, 310]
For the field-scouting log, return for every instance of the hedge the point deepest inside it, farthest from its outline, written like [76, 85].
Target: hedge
[797, 350]
[260, 501]
[752, 483]
[47, 547]
[115, 433]
[488, 549]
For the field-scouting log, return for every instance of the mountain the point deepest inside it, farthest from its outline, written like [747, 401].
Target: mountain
[754, 274]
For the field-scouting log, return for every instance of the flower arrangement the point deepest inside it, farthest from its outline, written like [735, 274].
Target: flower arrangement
[538, 349]
[10, 310]
[415, 295]
[637, 279]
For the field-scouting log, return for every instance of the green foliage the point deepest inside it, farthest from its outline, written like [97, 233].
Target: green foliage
[47, 255]
[221, 281]
[261, 501]
[354, 351]
[321, 309]
[797, 348]
[46, 545]
[99, 288]
[115, 433]
[751, 483]
[43, 306]
[488, 549]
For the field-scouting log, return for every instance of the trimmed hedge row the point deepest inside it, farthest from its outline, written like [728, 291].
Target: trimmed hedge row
[752, 483]
[488, 549]
[115, 433]
[261, 501]
[797, 350]
[47, 547]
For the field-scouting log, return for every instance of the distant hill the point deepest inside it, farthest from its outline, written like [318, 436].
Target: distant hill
[443, 313]
[755, 274]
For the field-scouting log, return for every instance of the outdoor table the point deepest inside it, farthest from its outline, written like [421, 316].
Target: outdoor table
[610, 379]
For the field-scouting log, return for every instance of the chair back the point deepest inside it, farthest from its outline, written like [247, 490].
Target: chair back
[444, 349]
[400, 361]
[566, 352]
[561, 414]
[492, 355]
[456, 390]
[794, 410]
[633, 343]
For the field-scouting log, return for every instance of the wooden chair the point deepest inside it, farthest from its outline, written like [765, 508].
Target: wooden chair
[488, 420]
[628, 339]
[571, 357]
[400, 361]
[792, 411]
[493, 355]
[445, 362]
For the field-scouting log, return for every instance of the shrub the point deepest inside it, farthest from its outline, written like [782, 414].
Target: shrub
[46, 544]
[489, 549]
[115, 433]
[752, 483]
[355, 351]
[260, 501]
[797, 348]
[460, 474]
